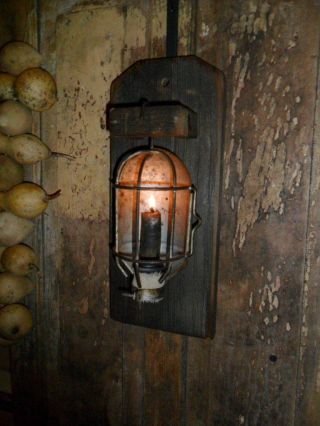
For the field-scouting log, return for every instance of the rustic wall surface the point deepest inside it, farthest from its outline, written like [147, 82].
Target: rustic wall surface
[80, 367]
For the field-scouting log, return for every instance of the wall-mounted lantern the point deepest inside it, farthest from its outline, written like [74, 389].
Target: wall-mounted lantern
[155, 219]
[165, 122]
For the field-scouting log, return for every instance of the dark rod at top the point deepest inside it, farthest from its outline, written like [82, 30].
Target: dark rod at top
[172, 27]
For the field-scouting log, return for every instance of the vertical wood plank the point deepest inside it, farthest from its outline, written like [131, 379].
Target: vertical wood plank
[253, 359]
[83, 211]
[186, 46]
[308, 388]
[163, 351]
[86, 347]
[27, 356]
[163, 379]
[51, 225]
[133, 375]
[157, 31]
[197, 351]
[135, 47]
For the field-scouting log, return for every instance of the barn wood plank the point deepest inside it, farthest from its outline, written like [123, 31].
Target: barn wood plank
[265, 199]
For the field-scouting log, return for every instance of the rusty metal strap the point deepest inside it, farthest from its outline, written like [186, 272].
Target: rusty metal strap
[172, 27]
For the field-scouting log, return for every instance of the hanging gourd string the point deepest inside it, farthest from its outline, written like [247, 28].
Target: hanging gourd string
[150, 143]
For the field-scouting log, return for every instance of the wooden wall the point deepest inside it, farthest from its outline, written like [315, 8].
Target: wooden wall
[79, 367]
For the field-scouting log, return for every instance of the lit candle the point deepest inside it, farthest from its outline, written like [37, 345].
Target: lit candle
[150, 236]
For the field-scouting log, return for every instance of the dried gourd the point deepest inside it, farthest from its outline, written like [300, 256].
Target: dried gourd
[15, 118]
[36, 88]
[15, 321]
[19, 259]
[14, 288]
[13, 229]
[6, 86]
[17, 56]
[27, 200]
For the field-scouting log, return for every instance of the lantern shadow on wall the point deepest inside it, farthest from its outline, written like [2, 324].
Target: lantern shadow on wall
[162, 273]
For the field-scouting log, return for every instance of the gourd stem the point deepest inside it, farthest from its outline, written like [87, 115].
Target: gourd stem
[60, 154]
[33, 267]
[54, 195]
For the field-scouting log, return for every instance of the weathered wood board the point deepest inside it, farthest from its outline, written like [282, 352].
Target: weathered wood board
[262, 368]
[254, 360]
[155, 121]
[188, 304]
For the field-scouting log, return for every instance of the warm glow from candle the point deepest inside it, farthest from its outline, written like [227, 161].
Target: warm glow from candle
[152, 202]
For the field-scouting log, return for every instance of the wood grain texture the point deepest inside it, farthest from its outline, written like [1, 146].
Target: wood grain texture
[254, 358]
[137, 45]
[308, 391]
[83, 291]
[158, 367]
[163, 384]
[262, 367]
[153, 121]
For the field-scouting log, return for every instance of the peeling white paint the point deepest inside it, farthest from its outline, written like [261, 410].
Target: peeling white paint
[272, 107]
[263, 184]
[232, 202]
[275, 302]
[270, 79]
[276, 287]
[241, 67]
[295, 178]
[304, 331]
[286, 90]
[261, 23]
[288, 115]
[205, 29]
[277, 83]
[278, 129]
[268, 174]
[291, 44]
[269, 298]
[261, 62]
[232, 51]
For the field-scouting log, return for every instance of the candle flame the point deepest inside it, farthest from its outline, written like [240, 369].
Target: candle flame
[152, 202]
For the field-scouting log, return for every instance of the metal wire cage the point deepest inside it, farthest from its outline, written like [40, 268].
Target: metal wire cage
[154, 216]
